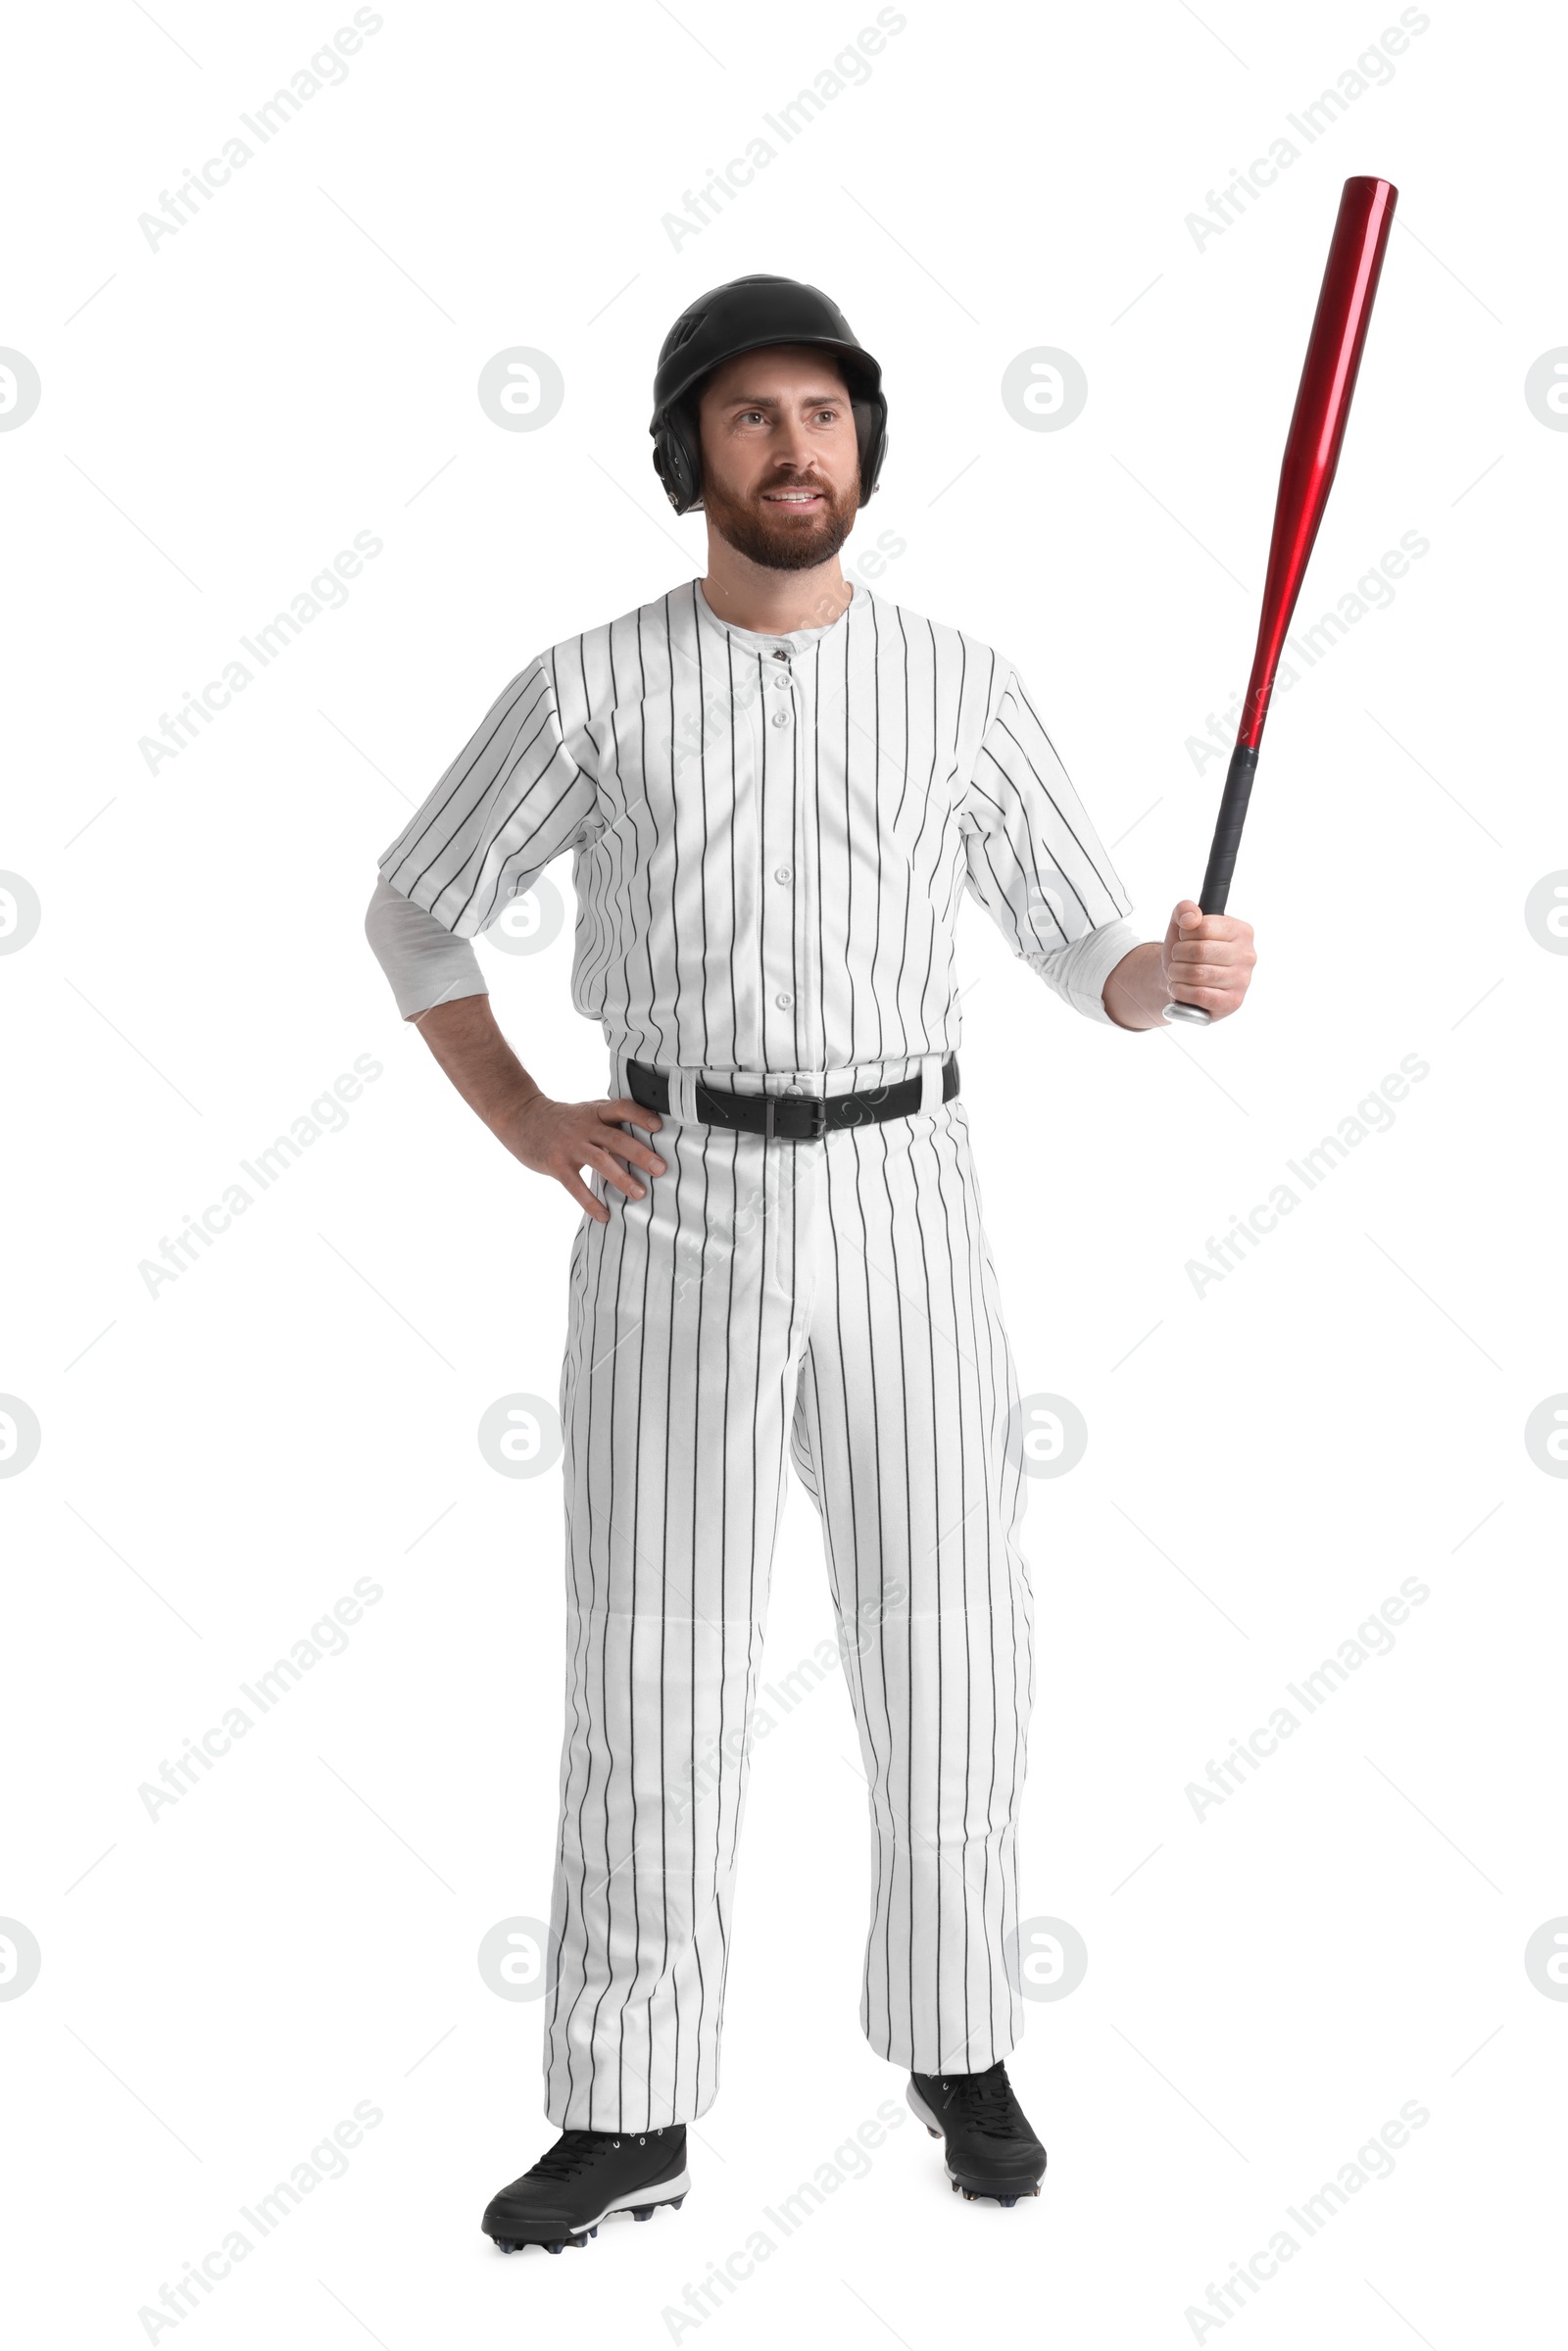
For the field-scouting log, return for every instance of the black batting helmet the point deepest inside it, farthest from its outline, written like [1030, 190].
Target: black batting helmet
[745, 315]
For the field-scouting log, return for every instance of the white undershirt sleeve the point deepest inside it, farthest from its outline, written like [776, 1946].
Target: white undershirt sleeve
[426, 963]
[1078, 971]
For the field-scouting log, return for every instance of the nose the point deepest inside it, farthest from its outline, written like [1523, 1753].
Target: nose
[794, 451]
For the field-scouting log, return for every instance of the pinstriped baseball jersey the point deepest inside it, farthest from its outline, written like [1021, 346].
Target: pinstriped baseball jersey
[771, 836]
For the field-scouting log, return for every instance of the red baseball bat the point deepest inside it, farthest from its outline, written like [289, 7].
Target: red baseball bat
[1306, 474]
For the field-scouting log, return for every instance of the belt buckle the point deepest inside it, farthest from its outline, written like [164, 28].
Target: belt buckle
[794, 1103]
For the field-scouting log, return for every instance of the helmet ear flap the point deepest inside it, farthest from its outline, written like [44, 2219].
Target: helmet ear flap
[677, 456]
[871, 437]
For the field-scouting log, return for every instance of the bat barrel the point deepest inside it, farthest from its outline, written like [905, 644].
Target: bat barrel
[1317, 424]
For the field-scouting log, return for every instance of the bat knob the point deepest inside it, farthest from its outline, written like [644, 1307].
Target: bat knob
[1191, 1012]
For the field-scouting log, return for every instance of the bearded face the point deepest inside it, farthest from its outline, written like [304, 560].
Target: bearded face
[781, 469]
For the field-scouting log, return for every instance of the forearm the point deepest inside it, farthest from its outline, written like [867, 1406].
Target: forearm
[1136, 993]
[466, 1039]
[555, 1138]
[440, 987]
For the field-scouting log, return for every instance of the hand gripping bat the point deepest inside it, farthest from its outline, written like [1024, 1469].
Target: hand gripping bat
[1311, 454]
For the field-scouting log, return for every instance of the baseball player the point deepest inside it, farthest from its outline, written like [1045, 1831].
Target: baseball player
[775, 786]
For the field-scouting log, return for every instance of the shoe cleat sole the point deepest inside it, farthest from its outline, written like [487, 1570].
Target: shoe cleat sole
[991, 2196]
[646, 2212]
[580, 2237]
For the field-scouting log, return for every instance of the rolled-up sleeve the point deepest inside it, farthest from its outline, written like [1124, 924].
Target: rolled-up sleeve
[511, 802]
[1034, 862]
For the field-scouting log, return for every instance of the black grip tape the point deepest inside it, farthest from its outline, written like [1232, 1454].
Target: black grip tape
[1228, 828]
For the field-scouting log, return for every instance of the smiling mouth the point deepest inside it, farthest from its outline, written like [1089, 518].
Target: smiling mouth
[793, 497]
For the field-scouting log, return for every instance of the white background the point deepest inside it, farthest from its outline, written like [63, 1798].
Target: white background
[1267, 1462]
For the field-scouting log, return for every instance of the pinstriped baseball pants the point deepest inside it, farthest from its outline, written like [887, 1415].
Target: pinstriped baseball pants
[834, 1300]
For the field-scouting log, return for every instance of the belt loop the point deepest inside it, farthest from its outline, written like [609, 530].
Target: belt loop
[931, 1082]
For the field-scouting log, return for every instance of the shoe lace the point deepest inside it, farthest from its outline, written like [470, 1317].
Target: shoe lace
[571, 2150]
[986, 2099]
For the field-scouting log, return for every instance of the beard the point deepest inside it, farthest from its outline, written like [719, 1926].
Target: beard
[776, 539]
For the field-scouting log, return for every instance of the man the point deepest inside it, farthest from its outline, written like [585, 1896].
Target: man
[775, 786]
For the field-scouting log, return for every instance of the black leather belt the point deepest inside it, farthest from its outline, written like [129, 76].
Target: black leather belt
[791, 1117]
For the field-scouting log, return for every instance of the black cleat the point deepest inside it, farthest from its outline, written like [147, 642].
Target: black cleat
[990, 2150]
[585, 2177]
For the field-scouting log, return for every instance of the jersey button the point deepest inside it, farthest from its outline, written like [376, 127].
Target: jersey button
[783, 1000]
[781, 717]
[784, 873]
